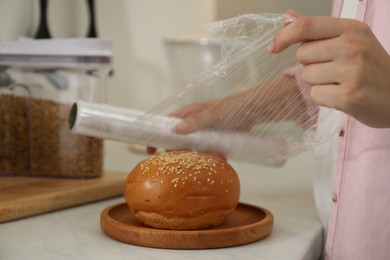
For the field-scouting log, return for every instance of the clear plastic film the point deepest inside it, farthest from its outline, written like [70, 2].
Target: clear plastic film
[249, 96]
[250, 106]
[121, 124]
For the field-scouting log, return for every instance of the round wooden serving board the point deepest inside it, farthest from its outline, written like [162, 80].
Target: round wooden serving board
[245, 225]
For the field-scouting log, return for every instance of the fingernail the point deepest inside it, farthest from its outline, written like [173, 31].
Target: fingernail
[271, 47]
[183, 126]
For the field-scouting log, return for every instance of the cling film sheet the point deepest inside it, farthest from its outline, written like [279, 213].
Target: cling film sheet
[250, 106]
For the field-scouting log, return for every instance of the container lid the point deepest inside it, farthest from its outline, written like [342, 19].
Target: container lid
[79, 53]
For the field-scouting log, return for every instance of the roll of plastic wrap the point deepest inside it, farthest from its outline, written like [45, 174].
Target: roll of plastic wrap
[120, 124]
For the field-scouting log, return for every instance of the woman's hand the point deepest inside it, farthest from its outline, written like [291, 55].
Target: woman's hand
[269, 102]
[344, 62]
[220, 113]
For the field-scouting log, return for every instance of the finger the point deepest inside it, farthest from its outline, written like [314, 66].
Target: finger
[292, 13]
[327, 95]
[317, 51]
[321, 73]
[185, 127]
[190, 109]
[194, 122]
[184, 111]
[151, 150]
[307, 29]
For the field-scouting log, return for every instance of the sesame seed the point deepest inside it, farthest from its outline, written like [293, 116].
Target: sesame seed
[181, 165]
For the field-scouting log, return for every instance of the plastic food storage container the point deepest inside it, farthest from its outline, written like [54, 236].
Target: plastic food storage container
[39, 81]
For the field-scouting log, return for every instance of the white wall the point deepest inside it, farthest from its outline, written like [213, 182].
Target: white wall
[16, 17]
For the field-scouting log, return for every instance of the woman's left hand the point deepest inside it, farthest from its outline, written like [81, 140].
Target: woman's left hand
[344, 62]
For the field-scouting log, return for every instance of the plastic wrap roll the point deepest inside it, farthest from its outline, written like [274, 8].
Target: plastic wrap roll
[120, 124]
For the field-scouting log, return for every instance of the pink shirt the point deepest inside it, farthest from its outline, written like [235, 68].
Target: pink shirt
[359, 221]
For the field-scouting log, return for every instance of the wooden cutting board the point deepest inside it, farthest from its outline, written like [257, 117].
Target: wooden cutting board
[27, 196]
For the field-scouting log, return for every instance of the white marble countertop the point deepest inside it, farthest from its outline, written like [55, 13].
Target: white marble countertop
[75, 233]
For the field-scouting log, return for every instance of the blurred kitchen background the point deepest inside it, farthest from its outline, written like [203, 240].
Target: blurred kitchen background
[142, 76]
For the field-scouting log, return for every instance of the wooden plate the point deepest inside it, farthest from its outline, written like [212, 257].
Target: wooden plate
[246, 224]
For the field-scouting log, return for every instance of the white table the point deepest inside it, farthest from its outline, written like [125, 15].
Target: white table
[75, 233]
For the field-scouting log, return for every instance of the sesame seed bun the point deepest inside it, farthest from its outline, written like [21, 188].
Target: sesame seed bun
[182, 190]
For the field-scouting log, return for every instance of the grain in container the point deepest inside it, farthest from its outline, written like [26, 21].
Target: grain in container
[39, 80]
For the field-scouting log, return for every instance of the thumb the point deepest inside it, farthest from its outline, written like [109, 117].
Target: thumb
[292, 13]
